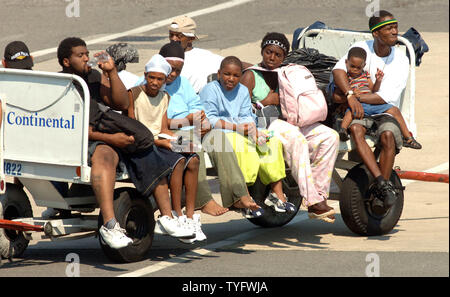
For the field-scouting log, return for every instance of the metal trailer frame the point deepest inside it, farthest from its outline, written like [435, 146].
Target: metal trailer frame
[37, 175]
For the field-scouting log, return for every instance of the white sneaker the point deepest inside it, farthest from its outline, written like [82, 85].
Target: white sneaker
[183, 220]
[159, 229]
[172, 227]
[199, 235]
[115, 237]
[273, 201]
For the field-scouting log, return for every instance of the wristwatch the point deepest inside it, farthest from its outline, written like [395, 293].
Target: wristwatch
[349, 93]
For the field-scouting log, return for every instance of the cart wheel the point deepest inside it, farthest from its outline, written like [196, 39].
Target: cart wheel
[355, 204]
[271, 218]
[135, 214]
[13, 204]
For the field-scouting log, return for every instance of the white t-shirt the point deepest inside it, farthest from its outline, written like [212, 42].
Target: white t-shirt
[128, 79]
[396, 71]
[198, 64]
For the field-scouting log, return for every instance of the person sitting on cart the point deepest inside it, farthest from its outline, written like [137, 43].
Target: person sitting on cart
[186, 112]
[16, 56]
[199, 63]
[148, 104]
[361, 83]
[228, 106]
[309, 151]
[104, 148]
[381, 54]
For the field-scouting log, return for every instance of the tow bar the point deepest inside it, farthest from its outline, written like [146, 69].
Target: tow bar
[19, 226]
[422, 176]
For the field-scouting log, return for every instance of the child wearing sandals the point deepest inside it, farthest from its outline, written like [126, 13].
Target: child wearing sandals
[361, 83]
[228, 106]
[148, 104]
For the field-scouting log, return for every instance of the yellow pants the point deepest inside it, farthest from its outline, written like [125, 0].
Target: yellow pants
[265, 161]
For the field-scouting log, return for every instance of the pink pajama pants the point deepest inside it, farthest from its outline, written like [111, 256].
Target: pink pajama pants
[310, 152]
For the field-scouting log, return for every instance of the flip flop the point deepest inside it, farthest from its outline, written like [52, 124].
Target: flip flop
[329, 219]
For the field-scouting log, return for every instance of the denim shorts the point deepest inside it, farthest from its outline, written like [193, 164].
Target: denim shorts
[373, 109]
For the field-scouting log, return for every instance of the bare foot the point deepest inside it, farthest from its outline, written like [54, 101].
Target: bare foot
[213, 208]
[246, 202]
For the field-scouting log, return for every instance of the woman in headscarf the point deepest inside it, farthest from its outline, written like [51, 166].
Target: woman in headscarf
[309, 151]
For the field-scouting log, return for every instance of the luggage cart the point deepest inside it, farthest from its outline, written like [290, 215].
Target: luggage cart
[44, 145]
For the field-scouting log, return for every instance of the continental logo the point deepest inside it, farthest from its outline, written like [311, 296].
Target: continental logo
[34, 120]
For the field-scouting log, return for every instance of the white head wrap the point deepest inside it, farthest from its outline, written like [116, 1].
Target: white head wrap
[158, 64]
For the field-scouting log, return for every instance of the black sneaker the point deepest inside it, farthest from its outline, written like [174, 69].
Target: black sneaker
[387, 193]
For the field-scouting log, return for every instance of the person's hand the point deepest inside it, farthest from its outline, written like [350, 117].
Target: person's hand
[357, 92]
[249, 130]
[379, 75]
[197, 118]
[272, 98]
[206, 127]
[106, 66]
[356, 107]
[203, 115]
[261, 140]
[121, 140]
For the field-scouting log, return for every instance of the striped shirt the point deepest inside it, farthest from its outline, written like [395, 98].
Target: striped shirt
[361, 82]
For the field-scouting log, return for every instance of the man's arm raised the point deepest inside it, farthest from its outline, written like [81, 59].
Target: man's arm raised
[112, 90]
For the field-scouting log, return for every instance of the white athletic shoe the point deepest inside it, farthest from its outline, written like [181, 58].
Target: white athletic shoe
[183, 220]
[115, 237]
[199, 235]
[172, 226]
[273, 201]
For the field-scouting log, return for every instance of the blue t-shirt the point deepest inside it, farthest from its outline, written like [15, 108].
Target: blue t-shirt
[183, 99]
[231, 106]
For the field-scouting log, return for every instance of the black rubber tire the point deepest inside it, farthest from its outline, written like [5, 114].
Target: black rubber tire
[13, 204]
[271, 218]
[135, 214]
[354, 205]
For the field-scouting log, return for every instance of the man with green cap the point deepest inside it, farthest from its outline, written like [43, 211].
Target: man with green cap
[381, 54]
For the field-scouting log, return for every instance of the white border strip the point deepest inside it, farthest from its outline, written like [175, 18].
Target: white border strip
[152, 26]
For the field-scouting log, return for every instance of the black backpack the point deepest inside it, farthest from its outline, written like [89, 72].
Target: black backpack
[112, 122]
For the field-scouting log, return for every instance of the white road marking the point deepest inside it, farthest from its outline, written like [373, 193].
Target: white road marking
[186, 257]
[152, 26]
